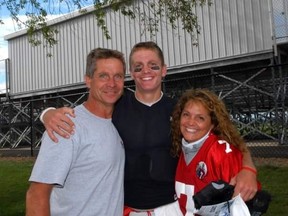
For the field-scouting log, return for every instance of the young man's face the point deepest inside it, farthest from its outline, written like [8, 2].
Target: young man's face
[106, 85]
[147, 71]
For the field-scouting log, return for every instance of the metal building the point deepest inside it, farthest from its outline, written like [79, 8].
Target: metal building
[241, 53]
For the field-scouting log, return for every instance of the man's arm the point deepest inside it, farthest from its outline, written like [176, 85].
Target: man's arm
[38, 199]
[57, 120]
[246, 180]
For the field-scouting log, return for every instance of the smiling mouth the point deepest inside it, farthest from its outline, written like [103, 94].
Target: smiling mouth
[146, 78]
[191, 130]
[112, 92]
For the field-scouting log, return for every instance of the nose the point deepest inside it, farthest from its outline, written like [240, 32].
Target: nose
[191, 120]
[111, 82]
[146, 69]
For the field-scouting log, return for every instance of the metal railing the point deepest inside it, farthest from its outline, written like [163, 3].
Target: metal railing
[256, 98]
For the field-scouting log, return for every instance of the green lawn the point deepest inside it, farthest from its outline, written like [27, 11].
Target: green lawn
[13, 186]
[274, 180]
[15, 173]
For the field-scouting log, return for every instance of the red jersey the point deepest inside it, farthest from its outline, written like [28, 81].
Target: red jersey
[215, 160]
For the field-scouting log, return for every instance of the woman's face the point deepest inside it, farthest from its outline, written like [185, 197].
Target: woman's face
[195, 121]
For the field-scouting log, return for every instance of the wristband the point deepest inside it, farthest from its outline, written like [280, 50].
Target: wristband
[250, 169]
[43, 113]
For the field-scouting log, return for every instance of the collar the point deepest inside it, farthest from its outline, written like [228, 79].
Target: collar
[152, 103]
[193, 146]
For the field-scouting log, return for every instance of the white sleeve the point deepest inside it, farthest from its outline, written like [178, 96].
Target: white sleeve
[43, 113]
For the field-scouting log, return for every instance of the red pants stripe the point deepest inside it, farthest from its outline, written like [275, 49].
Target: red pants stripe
[128, 210]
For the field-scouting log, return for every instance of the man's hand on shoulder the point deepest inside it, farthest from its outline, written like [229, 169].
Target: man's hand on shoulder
[58, 121]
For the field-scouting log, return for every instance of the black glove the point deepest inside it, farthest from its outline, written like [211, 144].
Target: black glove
[259, 204]
[220, 191]
[213, 193]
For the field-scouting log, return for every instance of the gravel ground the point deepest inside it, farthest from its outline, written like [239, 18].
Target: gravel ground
[17, 159]
[279, 162]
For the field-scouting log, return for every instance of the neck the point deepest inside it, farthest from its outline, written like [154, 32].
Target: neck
[100, 110]
[148, 97]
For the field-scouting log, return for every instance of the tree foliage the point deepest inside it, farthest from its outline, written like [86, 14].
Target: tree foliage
[36, 13]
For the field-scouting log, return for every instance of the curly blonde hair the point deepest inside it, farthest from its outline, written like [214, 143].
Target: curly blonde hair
[224, 128]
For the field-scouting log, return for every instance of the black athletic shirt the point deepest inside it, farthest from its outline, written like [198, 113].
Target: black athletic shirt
[149, 166]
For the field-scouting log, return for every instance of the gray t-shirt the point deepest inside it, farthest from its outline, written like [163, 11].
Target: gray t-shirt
[87, 169]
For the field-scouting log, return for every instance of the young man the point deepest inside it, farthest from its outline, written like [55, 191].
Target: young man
[143, 121]
[84, 175]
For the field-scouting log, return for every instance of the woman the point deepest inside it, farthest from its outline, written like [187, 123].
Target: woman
[208, 143]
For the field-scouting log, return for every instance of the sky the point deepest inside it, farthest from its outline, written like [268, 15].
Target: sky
[10, 26]
[5, 29]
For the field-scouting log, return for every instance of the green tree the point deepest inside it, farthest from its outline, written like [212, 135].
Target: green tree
[36, 13]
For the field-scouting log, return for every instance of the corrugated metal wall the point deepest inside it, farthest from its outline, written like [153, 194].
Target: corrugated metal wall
[229, 28]
[280, 15]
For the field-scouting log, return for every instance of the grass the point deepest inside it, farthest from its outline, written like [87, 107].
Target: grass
[14, 174]
[274, 180]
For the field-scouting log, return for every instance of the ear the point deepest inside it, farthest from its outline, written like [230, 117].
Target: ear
[87, 81]
[164, 70]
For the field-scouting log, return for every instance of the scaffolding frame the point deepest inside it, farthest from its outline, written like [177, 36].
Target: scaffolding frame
[255, 96]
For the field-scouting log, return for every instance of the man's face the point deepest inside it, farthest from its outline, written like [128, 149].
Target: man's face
[146, 70]
[106, 85]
